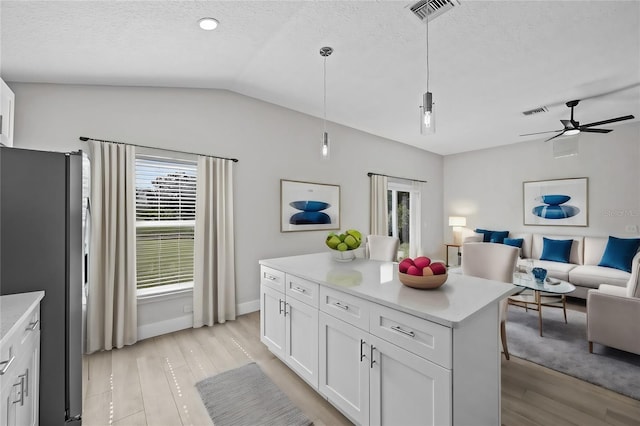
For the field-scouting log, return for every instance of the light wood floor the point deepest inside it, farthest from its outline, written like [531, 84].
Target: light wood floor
[152, 383]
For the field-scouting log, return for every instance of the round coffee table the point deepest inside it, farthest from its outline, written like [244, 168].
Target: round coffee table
[551, 293]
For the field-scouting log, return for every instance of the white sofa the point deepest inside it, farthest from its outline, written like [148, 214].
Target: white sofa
[582, 271]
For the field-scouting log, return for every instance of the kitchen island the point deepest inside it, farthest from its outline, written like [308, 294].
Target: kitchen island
[381, 352]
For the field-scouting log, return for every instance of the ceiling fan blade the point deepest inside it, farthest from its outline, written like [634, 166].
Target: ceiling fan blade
[539, 133]
[568, 124]
[556, 136]
[611, 120]
[596, 130]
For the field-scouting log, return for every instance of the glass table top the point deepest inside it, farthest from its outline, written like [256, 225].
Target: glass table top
[550, 285]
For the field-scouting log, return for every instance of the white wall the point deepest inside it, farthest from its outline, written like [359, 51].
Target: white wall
[271, 142]
[486, 185]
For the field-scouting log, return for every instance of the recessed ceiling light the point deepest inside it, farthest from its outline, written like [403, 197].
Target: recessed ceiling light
[208, 24]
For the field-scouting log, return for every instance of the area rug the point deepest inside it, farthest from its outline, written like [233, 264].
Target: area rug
[564, 348]
[246, 396]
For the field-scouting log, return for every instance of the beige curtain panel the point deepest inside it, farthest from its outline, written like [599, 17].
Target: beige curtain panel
[214, 281]
[379, 213]
[111, 304]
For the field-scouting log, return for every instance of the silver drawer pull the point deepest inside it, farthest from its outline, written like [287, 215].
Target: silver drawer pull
[400, 330]
[340, 305]
[25, 377]
[7, 364]
[32, 325]
[269, 277]
[299, 289]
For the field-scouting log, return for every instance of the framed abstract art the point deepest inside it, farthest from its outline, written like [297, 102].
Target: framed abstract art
[556, 202]
[306, 206]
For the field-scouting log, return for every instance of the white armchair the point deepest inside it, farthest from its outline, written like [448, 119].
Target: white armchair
[381, 247]
[613, 313]
[493, 262]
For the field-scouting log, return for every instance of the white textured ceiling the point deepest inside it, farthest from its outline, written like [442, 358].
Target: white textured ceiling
[489, 60]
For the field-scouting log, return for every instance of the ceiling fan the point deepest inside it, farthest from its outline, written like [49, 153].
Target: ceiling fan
[572, 127]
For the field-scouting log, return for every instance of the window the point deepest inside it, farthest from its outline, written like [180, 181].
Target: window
[165, 220]
[404, 216]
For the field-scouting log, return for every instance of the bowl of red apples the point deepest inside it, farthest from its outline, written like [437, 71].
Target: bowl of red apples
[421, 273]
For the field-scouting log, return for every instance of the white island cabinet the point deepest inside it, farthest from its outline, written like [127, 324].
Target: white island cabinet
[387, 354]
[20, 358]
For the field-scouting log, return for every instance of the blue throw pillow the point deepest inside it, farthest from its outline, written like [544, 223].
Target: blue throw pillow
[556, 250]
[619, 253]
[486, 234]
[516, 242]
[498, 236]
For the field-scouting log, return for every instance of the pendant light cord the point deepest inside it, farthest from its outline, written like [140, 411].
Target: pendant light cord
[427, 39]
[325, 95]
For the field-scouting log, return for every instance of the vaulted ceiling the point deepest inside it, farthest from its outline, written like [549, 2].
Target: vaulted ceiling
[489, 60]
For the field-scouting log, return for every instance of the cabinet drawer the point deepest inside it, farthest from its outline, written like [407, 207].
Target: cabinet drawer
[346, 307]
[424, 338]
[272, 278]
[302, 290]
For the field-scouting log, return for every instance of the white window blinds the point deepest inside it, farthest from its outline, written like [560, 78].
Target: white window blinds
[165, 219]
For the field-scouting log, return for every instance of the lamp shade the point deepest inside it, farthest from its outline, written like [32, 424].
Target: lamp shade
[457, 221]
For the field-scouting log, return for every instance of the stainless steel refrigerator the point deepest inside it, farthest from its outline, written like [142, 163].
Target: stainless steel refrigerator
[41, 249]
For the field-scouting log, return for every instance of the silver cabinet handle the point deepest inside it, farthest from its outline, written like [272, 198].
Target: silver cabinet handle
[285, 309]
[340, 305]
[0, 124]
[372, 360]
[269, 277]
[32, 325]
[299, 289]
[362, 342]
[280, 305]
[25, 376]
[7, 364]
[400, 330]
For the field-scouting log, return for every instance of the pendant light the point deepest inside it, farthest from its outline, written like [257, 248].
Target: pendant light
[427, 116]
[324, 52]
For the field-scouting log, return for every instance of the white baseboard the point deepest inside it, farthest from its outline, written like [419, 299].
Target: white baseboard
[248, 307]
[163, 327]
[186, 321]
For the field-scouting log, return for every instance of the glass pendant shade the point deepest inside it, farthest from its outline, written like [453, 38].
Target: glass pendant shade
[427, 119]
[325, 146]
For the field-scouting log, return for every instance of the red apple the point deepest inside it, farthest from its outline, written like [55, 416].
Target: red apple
[438, 268]
[413, 270]
[404, 265]
[421, 262]
[427, 271]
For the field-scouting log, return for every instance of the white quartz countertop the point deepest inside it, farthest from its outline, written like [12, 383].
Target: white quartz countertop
[14, 309]
[457, 300]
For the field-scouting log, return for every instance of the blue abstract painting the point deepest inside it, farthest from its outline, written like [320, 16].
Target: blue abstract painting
[556, 202]
[307, 206]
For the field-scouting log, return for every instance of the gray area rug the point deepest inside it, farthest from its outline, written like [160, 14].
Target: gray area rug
[245, 396]
[564, 348]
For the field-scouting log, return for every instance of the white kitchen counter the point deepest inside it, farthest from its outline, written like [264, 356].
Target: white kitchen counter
[14, 309]
[455, 301]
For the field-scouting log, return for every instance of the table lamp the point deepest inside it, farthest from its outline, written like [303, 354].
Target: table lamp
[457, 222]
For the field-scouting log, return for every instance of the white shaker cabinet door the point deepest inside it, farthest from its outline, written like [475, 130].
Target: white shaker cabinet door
[301, 352]
[344, 367]
[406, 389]
[272, 320]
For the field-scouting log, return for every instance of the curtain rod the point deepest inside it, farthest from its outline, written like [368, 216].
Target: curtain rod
[84, 139]
[396, 177]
